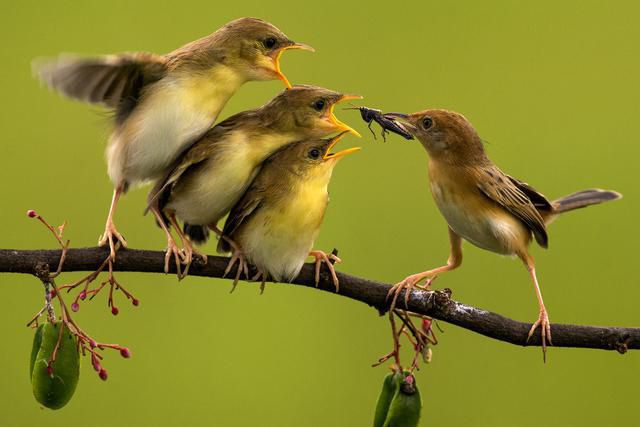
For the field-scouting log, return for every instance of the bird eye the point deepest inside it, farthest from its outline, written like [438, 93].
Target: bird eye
[314, 154]
[269, 42]
[319, 105]
[427, 122]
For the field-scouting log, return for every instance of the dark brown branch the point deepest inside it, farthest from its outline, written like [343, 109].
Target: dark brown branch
[437, 304]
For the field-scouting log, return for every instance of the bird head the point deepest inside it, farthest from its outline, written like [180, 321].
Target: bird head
[253, 47]
[314, 159]
[307, 111]
[446, 135]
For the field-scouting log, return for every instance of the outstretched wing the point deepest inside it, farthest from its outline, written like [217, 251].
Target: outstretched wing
[501, 189]
[107, 80]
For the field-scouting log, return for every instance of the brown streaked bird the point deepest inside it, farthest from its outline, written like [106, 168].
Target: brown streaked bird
[483, 205]
[213, 174]
[162, 103]
[278, 219]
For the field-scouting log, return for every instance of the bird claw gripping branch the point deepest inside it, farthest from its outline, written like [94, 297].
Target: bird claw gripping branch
[87, 345]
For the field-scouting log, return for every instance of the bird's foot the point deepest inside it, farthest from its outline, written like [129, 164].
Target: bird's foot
[187, 256]
[112, 236]
[321, 257]
[262, 276]
[243, 266]
[545, 330]
[407, 285]
[178, 256]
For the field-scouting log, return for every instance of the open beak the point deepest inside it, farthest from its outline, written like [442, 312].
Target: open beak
[334, 156]
[337, 123]
[403, 120]
[278, 54]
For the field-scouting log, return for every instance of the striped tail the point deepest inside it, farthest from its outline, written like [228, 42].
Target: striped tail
[584, 198]
[198, 234]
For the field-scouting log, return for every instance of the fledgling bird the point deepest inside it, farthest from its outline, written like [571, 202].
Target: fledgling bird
[213, 174]
[162, 103]
[278, 219]
[483, 205]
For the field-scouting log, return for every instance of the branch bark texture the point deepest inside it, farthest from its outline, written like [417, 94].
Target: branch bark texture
[436, 304]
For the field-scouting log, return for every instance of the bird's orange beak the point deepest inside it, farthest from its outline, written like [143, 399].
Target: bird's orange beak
[335, 156]
[276, 59]
[340, 126]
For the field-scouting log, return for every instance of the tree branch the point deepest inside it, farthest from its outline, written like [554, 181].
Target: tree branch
[436, 304]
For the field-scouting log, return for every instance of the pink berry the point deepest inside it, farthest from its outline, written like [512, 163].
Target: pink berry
[125, 352]
[93, 344]
[103, 374]
[409, 379]
[82, 295]
[114, 310]
[75, 306]
[135, 302]
[31, 213]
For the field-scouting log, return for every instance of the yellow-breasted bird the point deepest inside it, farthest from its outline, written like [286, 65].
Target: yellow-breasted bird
[278, 219]
[483, 205]
[213, 174]
[162, 103]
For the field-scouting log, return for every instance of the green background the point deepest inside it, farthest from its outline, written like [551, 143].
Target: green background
[552, 86]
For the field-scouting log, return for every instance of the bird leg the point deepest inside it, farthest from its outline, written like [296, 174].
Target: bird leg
[543, 317]
[237, 256]
[172, 247]
[321, 257]
[412, 282]
[187, 248]
[110, 231]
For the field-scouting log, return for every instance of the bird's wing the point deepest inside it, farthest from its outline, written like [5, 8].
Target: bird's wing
[501, 189]
[107, 80]
[188, 160]
[248, 205]
[538, 199]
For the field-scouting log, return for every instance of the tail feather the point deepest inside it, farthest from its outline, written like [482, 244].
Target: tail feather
[583, 199]
[199, 234]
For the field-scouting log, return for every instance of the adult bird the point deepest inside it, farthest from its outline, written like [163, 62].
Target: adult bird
[162, 103]
[213, 174]
[278, 219]
[483, 205]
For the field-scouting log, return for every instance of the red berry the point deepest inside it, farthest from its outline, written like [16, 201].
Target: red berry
[50, 370]
[82, 295]
[135, 302]
[93, 344]
[409, 379]
[31, 213]
[114, 310]
[52, 293]
[125, 352]
[75, 306]
[103, 374]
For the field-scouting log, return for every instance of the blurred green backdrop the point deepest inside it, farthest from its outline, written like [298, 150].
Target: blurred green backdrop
[552, 86]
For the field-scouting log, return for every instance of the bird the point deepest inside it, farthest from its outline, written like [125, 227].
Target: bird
[212, 175]
[277, 220]
[482, 204]
[162, 103]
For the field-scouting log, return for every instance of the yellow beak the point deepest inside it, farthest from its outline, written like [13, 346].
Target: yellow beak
[334, 156]
[337, 123]
[276, 60]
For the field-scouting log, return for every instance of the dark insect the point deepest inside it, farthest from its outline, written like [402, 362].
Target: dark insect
[388, 124]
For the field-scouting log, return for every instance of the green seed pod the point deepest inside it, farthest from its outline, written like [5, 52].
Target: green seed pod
[406, 405]
[389, 387]
[53, 388]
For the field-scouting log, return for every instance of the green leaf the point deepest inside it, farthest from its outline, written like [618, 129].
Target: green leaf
[54, 391]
